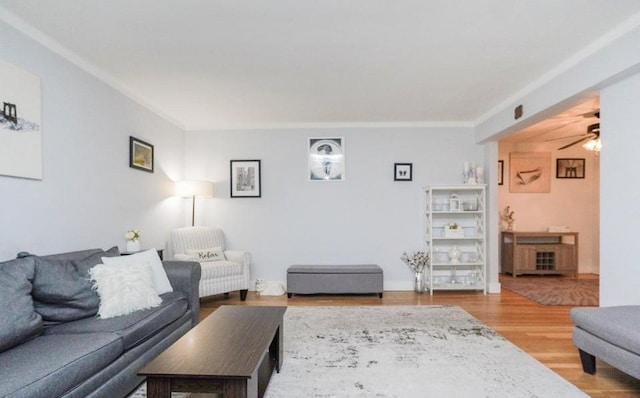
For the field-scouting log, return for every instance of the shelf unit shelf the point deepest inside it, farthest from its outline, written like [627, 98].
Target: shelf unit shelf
[464, 205]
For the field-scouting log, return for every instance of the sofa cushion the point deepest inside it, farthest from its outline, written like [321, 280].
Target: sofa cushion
[18, 320]
[60, 293]
[83, 265]
[124, 288]
[48, 366]
[616, 325]
[134, 328]
[219, 269]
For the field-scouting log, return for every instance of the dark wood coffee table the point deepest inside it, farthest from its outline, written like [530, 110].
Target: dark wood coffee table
[233, 352]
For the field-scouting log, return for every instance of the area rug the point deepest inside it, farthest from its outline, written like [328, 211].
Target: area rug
[404, 351]
[554, 290]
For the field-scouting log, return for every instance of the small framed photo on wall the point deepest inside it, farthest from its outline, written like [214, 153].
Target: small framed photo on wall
[245, 179]
[570, 168]
[500, 172]
[402, 171]
[140, 155]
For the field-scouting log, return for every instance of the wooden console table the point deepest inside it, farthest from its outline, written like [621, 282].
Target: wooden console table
[233, 352]
[539, 252]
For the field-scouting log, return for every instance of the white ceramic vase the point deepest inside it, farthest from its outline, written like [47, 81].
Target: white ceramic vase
[133, 246]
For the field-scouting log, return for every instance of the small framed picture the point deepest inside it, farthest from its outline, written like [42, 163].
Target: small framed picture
[140, 155]
[245, 179]
[570, 168]
[326, 159]
[500, 172]
[402, 171]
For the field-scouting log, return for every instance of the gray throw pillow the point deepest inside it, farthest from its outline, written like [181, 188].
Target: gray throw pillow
[60, 293]
[18, 320]
[83, 266]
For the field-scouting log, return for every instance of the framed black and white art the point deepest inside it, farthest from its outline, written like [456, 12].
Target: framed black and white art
[402, 171]
[326, 159]
[245, 179]
[570, 168]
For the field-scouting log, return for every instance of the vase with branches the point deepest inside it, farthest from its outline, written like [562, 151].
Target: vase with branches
[417, 263]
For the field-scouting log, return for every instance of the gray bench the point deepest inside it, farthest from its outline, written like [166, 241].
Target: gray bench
[334, 279]
[610, 334]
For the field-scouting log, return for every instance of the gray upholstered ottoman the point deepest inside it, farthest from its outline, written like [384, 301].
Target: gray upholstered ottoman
[312, 279]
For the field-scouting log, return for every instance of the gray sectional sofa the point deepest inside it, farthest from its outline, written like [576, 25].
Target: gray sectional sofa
[610, 334]
[53, 345]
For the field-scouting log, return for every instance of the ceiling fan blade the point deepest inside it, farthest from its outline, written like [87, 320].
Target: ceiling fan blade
[565, 137]
[574, 143]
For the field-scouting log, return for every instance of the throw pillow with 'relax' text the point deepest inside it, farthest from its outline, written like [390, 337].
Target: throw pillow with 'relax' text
[213, 254]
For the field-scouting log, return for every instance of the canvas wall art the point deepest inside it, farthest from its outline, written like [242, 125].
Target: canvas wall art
[20, 123]
[530, 172]
[326, 159]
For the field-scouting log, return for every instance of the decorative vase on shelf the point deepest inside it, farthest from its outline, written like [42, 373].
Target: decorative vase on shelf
[454, 255]
[133, 246]
[418, 282]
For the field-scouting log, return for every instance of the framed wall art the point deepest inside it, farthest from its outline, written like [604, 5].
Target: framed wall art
[570, 168]
[326, 159]
[140, 155]
[402, 171]
[530, 172]
[245, 179]
[500, 172]
[20, 123]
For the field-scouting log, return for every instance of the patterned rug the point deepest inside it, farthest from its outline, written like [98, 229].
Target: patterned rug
[555, 290]
[404, 351]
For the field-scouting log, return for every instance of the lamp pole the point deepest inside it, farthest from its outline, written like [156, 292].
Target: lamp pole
[193, 211]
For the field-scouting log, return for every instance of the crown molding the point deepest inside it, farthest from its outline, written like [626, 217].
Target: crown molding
[341, 125]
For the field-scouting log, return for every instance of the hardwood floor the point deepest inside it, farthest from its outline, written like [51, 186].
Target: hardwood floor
[542, 331]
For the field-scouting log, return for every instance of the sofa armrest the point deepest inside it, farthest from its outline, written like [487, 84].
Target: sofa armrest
[185, 277]
[238, 256]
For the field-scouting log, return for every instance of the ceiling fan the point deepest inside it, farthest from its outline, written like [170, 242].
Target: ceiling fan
[591, 138]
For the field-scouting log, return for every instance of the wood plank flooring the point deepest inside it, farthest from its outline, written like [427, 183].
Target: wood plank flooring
[542, 331]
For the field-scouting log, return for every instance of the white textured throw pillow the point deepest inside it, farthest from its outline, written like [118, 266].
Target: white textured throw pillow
[213, 254]
[149, 257]
[123, 289]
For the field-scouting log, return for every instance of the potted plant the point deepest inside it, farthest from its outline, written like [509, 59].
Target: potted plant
[453, 230]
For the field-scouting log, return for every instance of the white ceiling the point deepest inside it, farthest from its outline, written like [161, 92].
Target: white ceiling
[210, 64]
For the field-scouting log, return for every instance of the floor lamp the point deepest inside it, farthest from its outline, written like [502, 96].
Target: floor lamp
[191, 189]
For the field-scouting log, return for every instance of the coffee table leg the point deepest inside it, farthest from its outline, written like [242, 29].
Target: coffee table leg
[239, 388]
[276, 348]
[158, 387]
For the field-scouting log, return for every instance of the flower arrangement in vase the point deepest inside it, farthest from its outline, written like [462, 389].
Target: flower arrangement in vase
[508, 216]
[133, 240]
[417, 262]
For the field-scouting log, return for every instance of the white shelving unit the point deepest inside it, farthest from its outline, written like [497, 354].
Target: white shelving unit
[464, 206]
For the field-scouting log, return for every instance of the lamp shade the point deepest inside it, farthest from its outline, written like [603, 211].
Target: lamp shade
[189, 188]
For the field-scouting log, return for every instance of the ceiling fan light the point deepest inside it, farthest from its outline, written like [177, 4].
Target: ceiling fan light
[593, 145]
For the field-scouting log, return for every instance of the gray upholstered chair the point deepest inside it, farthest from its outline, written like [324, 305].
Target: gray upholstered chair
[227, 273]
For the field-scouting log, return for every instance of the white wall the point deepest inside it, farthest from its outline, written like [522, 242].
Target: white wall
[88, 197]
[368, 218]
[620, 198]
[572, 202]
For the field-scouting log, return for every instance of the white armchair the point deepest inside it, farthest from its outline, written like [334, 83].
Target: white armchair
[227, 274]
